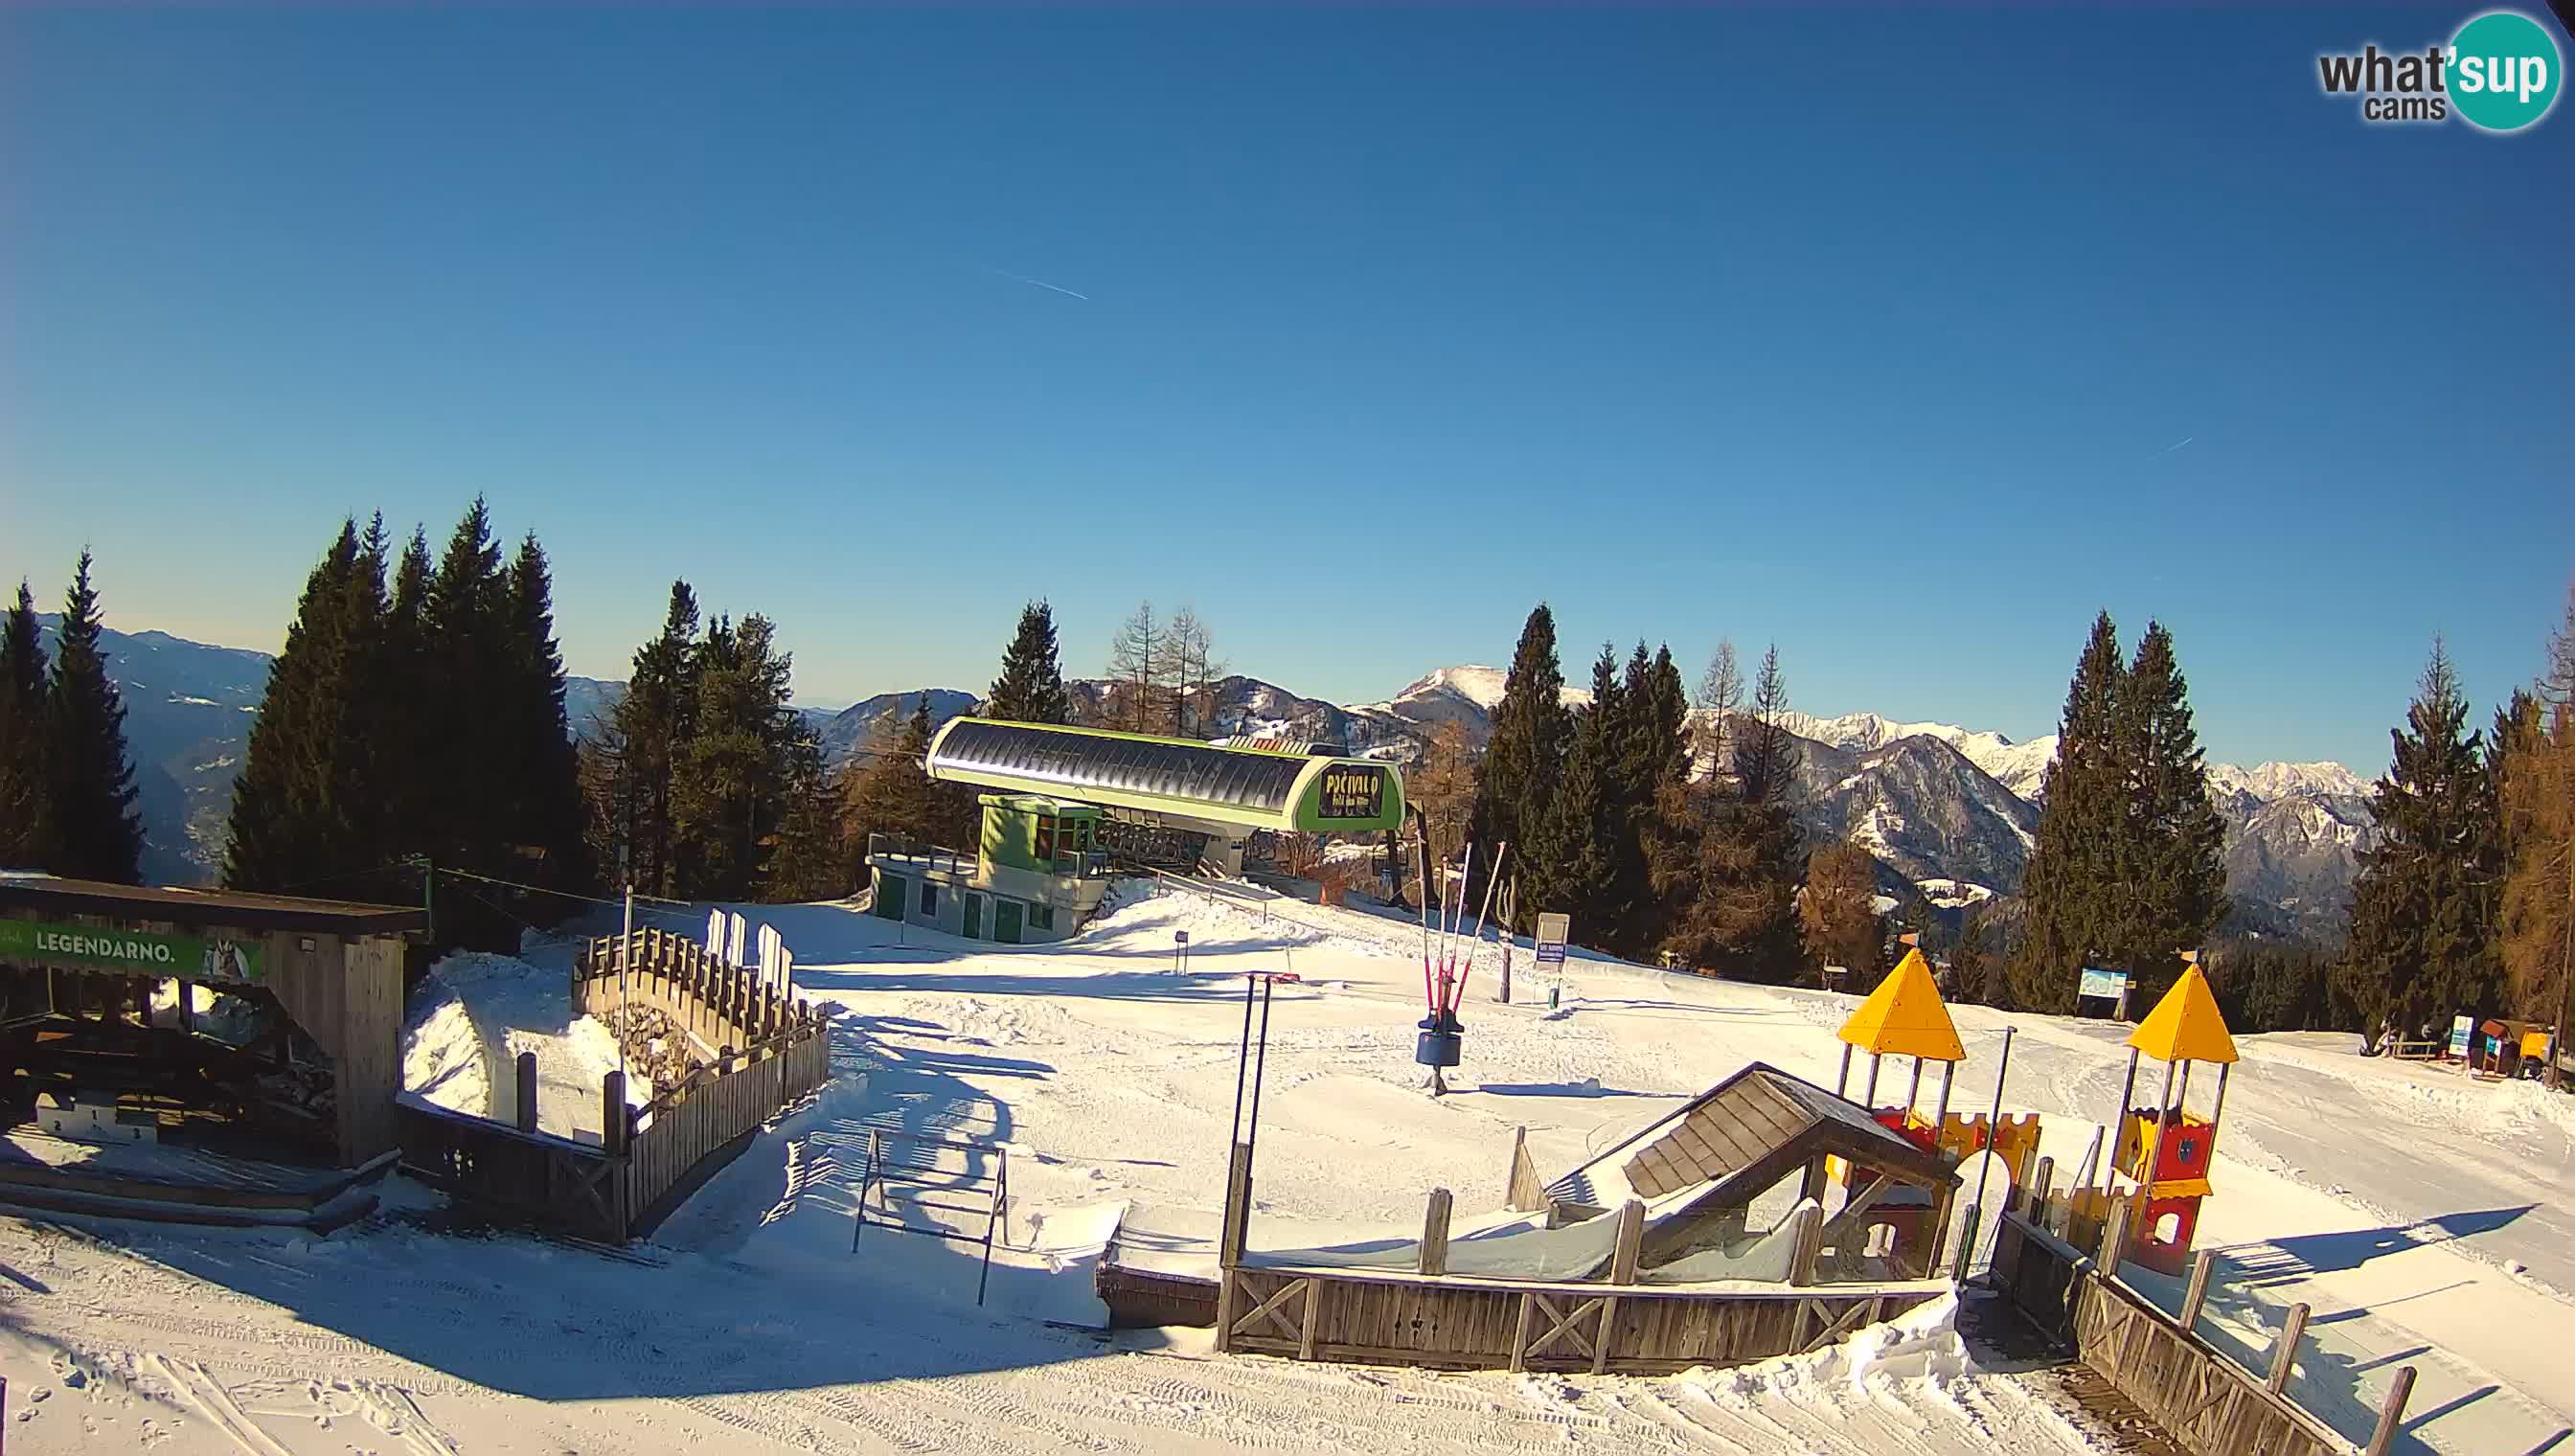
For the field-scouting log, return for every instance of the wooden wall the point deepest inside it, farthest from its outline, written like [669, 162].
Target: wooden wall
[347, 995]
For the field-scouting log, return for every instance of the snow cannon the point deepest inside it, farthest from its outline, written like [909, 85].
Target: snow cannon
[2166, 1150]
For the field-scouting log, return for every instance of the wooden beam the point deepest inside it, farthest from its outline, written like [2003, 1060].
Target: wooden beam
[2284, 1354]
[528, 1091]
[1629, 1249]
[1521, 1332]
[1600, 1341]
[2196, 1295]
[1314, 1307]
[2391, 1412]
[1434, 1233]
[1811, 1244]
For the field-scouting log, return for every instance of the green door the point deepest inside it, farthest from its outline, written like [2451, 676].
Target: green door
[890, 893]
[973, 917]
[1005, 922]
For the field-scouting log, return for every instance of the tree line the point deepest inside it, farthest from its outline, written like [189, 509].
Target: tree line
[2466, 902]
[415, 723]
[67, 790]
[1659, 830]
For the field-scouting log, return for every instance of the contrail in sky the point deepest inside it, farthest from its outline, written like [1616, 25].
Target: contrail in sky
[1041, 282]
[2167, 450]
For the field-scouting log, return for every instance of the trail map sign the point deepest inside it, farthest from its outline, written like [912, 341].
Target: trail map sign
[192, 958]
[2108, 985]
[2461, 1029]
[1552, 932]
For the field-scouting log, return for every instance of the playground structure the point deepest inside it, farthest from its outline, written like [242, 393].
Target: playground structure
[1905, 1017]
[2165, 1151]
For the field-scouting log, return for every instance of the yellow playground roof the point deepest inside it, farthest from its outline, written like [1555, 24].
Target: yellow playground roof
[1905, 1016]
[2186, 1024]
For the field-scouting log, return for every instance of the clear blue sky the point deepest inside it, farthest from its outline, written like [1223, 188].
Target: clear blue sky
[1869, 333]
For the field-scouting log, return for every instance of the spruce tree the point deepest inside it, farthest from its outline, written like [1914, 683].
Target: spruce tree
[731, 783]
[546, 815]
[1515, 783]
[26, 798]
[1838, 917]
[1572, 854]
[304, 806]
[891, 792]
[2074, 872]
[97, 832]
[1031, 688]
[2171, 892]
[2423, 946]
[651, 725]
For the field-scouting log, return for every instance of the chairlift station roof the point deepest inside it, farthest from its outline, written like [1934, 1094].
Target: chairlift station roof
[1183, 778]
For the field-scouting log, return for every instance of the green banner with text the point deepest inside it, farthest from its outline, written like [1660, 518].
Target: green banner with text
[191, 957]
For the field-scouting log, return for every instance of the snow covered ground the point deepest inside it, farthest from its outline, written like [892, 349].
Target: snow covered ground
[2394, 1199]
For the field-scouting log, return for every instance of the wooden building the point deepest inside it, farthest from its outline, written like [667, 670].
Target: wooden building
[82, 964]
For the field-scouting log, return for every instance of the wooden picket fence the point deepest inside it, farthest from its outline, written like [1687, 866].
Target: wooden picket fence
[2184, 1384]
[768, 1051]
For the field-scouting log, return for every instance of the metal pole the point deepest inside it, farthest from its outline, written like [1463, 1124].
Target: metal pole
[625, 1020]
[2221, 1109]
[1242, 1061]
[2119, 1117]
[1977, 1209]
[1868, 1098]
[1841, 1079]
[1948, 1075]
[1913, 1090]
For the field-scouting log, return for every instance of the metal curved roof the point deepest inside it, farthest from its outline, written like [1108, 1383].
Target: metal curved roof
[1076, 761]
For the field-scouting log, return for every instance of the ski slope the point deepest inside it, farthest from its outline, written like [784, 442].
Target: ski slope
[2393, 1200]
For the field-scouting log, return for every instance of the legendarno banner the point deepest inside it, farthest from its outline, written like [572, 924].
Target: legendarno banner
[193, 957]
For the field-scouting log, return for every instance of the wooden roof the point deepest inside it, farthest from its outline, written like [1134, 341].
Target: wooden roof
[1756, 1126]
[28, 896]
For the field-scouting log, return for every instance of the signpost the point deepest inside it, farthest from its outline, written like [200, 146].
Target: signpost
[2104, 986]
[2462, 1028]
[189, 957]
[1552, 929]
[1180, 952]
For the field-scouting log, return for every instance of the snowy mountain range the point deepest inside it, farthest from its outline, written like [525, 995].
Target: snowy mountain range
[1938, 803]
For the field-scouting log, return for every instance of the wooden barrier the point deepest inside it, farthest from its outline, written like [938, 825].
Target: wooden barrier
[555, 1182]
[2189, 1387]
[768, 1051]
[1396, 1317]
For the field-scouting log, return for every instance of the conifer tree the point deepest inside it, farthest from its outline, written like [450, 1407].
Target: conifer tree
[1031, 688]
[652, 725]
[2422, 945]
[807, 864]
[2170, 892]
[1734, 897]
[730, 786]
[546, 816]
[306, 806]
[1658, 773]
[1976, 963]
[26, 798]
[97, 832]
[1515, 782]
[2073, 870]
[1838, 917]
[889, 791]
[1571, 854]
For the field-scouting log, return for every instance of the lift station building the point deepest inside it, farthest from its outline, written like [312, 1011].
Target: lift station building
[1065, 803]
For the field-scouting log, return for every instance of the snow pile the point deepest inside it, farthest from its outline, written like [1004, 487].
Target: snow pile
[1921, 1345]
[443, 1056]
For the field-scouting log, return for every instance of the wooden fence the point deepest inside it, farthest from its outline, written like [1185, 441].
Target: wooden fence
[2187, 1386]
[769, 1050]
[1394, 1317]
[720, 1005]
